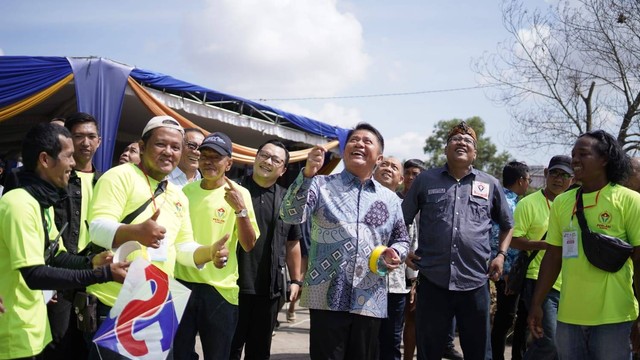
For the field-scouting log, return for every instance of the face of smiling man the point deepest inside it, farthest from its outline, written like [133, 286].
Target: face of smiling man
[269, 165]
[362, 153]
[190, 153]
[389, 173]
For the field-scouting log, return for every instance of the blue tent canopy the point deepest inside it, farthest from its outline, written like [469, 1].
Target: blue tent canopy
[100, 85]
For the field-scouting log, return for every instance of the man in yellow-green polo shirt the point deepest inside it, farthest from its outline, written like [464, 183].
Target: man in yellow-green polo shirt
[27, 228]
[531, 221]
[218, 207]
[163, 227]
[597, 308]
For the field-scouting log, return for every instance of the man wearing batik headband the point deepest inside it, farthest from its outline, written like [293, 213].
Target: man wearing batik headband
[457, 203]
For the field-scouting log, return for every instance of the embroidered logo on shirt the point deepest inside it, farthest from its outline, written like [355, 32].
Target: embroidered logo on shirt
[605, 220]
[480, 189]
[220, 216]
[436, 191]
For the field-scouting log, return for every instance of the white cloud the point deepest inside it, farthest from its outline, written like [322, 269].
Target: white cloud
[329, 113]
[276, 48]
[405, 146]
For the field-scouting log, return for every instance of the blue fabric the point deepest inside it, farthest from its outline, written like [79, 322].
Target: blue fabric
[512, 254]
[23, 76]
[100, 85]
[161, 81]
[600, 342]
[543, 348]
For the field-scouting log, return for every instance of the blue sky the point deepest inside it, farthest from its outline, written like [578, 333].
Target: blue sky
[292, 49]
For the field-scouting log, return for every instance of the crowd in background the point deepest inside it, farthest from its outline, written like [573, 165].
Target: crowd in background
[391, 258]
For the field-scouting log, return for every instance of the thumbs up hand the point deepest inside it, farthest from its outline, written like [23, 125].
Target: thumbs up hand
[219, 252]
[151, 233]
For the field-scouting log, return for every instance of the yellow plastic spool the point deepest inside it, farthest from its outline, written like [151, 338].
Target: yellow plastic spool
[374, 258]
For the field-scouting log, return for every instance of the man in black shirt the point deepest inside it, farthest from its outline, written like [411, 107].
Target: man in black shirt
[261, 270]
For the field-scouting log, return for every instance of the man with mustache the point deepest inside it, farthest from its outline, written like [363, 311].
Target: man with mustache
[457, 203]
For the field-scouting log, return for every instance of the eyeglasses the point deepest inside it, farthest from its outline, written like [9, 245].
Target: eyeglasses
[528, 179]
[560, 174]
[191, 145]
[459, 139]
[274, 159]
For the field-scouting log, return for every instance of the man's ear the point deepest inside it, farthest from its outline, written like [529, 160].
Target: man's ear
[229, 164]
[546, 172]
[44, 160]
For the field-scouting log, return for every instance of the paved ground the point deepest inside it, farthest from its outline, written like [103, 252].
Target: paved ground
[292, 339]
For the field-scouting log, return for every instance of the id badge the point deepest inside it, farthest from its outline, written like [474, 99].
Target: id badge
[570, 243]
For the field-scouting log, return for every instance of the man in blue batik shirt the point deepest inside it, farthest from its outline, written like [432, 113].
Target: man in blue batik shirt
[515, 180]
[457, 204]
[351, 214]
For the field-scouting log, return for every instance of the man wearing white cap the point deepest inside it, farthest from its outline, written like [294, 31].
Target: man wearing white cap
[163, 226]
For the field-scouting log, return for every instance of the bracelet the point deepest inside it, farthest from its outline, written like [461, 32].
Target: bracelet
[297, 282]
[503, 253]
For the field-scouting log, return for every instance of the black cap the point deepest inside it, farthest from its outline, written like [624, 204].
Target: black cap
[219, 142]
[562, 162]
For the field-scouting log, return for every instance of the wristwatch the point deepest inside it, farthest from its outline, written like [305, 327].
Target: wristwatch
[242, 213]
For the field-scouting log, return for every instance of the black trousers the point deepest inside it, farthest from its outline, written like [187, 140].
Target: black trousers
[340, 335]
[67, 341]
[256, 321]
[502, 320]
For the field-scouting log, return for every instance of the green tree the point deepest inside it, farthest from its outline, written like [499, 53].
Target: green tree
[488, 159]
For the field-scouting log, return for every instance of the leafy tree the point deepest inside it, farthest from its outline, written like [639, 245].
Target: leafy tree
[567, 69]
[487, 160]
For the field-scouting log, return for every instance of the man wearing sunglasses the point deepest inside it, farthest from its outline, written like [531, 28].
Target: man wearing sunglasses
[532, 219]
[187, 169]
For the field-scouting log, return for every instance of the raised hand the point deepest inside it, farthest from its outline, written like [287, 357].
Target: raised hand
[150, 233]
[219, 252]
[315, 159]
[232, 196]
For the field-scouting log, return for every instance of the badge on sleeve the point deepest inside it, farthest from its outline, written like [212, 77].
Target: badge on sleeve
[480, 189]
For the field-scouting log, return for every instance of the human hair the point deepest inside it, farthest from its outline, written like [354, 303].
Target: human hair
[513, 171]
[279, 144]
[195, 130]
[618, 165]
[80, 118]
[370, 128]
[42, 137]
[414, 163]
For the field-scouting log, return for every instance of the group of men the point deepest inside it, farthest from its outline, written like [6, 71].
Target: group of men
[228, 242]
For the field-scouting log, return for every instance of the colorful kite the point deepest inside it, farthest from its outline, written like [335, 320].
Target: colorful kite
[145, 317]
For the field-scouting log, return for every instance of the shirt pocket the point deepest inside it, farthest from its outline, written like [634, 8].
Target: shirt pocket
[436, 207]
[479, 209]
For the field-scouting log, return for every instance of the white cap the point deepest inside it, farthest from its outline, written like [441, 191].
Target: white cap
[162, 121]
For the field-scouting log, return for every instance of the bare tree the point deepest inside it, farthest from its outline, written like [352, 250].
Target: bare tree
[567, 69]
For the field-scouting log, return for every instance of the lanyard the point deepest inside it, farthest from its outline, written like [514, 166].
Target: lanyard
[153, 196]
[586, 207]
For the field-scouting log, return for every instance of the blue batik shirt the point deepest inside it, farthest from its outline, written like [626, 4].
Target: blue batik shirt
[348, 220]
[512, 254]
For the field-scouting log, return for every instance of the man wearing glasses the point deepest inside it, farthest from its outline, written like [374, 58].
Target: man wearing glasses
[456, 203]
[532, 219]
[261, 278]
[187, 170]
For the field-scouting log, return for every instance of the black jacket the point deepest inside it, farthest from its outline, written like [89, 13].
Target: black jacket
[278, 243]
[68, 210]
